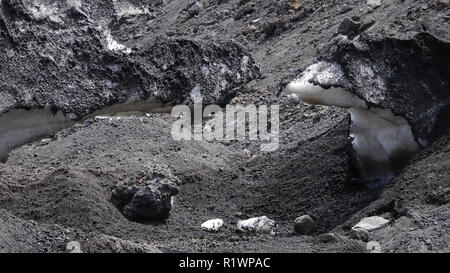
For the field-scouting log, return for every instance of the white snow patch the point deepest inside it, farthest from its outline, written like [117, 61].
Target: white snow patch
[213, 225]
[257, 224]
[371, 223]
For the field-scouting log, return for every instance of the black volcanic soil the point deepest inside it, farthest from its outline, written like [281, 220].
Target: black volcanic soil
[58, 189]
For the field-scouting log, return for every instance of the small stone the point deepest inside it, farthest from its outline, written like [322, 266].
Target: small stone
[74, 247]
[247, 153]
[316, 117]
[304, 225]
[373, 247]
[250, 29]
[213, 225]
[328, 238]
[257, 225]
[371, 223]
[359, 234]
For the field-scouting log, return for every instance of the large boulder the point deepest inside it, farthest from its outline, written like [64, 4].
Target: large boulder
[148, 196]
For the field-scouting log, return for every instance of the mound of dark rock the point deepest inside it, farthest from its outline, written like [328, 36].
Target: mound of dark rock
[148, 196]
[76, 65]
[73, 66]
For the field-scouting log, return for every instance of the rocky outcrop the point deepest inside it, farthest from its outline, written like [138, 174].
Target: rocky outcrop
[148, 196]
[411, 77]
[76, 66]
[62, 58]
[397, 92]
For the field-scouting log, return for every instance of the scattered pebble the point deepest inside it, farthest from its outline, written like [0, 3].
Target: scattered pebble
[304, 225]
[247, 153]
[257, 224]
[213, 225]
[74, 247]
[371, 223]
[235, 100]
[316, 117]
[359, 234]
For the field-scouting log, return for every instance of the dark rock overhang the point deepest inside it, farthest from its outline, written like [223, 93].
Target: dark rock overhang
[411, 77]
